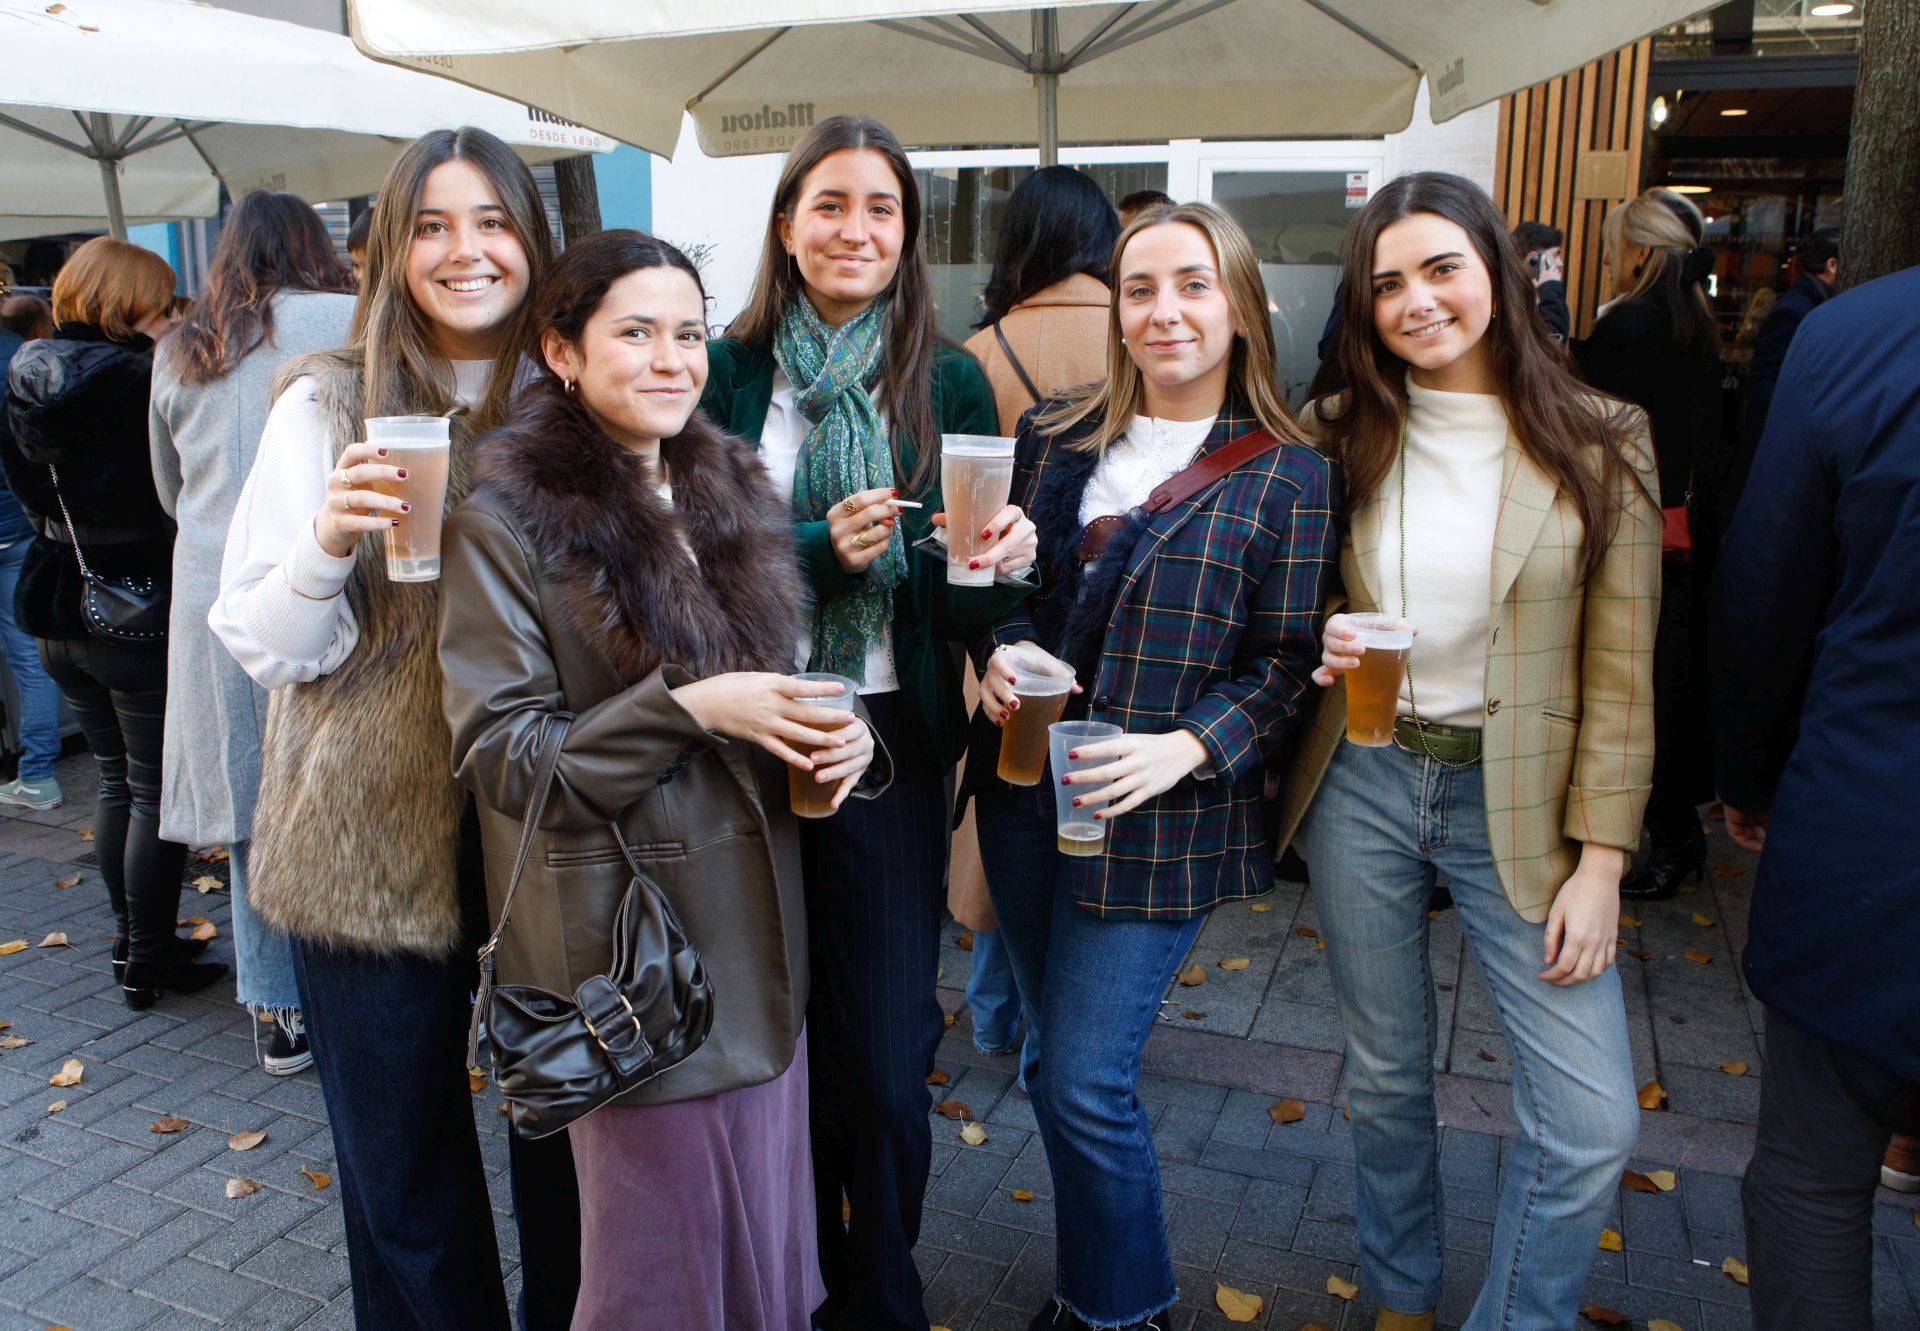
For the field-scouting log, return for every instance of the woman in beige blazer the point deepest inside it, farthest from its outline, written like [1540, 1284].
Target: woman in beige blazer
[1505, 513]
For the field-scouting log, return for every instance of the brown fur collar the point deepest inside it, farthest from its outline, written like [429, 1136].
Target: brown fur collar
[603, 534]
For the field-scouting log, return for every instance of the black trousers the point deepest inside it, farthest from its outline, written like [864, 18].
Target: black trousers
[1826, 1114]
[118, 694]
[875, 901]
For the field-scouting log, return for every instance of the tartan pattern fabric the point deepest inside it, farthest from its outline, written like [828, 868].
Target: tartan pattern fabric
[1567, 740]
[1215, 630]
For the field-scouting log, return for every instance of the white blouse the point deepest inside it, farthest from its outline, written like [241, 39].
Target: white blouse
[1150, 452]
[281, 611]
[780, 440]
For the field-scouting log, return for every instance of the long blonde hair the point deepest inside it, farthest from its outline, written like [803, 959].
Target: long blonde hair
[1112, 403]
[1656, 220]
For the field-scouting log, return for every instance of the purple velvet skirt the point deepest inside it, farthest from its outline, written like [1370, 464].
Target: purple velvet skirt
[700, 1214]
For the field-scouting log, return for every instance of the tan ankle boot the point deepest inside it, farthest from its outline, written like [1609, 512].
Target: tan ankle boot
[1389, 1320]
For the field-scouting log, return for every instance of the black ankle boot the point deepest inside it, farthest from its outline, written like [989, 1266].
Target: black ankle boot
[1666, 869]
[146, 981]
[1055, 1316]
[189, 949]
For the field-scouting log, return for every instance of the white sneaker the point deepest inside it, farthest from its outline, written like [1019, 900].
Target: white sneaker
[287, 1048]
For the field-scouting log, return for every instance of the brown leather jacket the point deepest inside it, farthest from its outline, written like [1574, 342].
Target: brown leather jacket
[568, 586]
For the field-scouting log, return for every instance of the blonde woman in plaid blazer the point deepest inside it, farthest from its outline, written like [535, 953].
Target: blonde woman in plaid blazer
[1194, 630]
[1504, 511]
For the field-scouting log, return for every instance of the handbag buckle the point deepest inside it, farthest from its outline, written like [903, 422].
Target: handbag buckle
[600, 994]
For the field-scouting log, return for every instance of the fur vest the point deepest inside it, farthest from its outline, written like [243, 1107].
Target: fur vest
[357, 828]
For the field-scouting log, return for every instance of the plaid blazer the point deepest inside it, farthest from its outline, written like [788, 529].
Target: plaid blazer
[1214, 629]
[1567, 743]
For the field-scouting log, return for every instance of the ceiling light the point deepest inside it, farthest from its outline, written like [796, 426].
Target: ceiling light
[1657, 113]
[1733, 110]
[1837, 10]
[1691, 189]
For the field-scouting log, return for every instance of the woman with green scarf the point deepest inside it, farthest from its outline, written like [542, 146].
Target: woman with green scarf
[836, 367]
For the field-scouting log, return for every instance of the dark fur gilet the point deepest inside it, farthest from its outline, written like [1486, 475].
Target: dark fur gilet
[618, 553]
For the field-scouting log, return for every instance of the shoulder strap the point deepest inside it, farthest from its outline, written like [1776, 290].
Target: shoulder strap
[1206, 470]
[1026, 380]
[73, 537]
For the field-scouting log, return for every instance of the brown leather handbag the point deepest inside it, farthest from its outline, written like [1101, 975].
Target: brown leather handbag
[558, 1057]
[1184, 484]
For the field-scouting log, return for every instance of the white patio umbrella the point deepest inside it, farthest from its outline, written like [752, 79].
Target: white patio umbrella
[135, 110]
[756, 73]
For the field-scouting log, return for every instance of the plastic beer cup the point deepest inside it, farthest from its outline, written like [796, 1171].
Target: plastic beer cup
[1077, 833]
[805, 796]
[1041, 683]
[976, 475]
[1373, 688]
[421, 445]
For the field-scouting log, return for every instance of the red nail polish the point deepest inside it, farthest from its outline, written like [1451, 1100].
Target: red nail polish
[1074, 754]
[973, 563]
[406, 507]
[896, 494]
[402, 471]
[383, 452]
[1014, 706]
[987, 535]
[1065, 782]
[394, 523]
[1076, 801]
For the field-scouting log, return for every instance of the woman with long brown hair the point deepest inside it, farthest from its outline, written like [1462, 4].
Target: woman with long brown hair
[275, 291]
[357, 849]
[1502, 510]
[837, 371]
[1191, 628]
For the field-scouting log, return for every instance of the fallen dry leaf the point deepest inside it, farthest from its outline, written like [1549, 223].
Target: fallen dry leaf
[1662, 1179]
[1610, 1241]
[1236, 1304]
[241, 1187]
[56, 1106]
[1634, 1181]
[57, 938]
[1305, 932]
[1260, 908]
[69, 1074]
[64, 883]
[245, 1141]
[14, 1042]
[1703, 921]
[1347, 1113]
[1599, 1316]
[957, 1111]
[206, 882]
[939, 1077]
[1320, 943]
[1341, 1289]
[946, 1019]
[193, 919]
[476, 1080]
[204, 933]
[1286, 1111]
[1652, 1095]
[1728, 870]
[1628, 922]
[1697, 957]
[1023, 1194]
[1734, 1067]
[56, 9]
[212, 855]
[1640, 954]
[964, 941]
[166, 1127]
[973, 1135]
[502, 1109]
[86, 834]
[1737, 1269]
[1486, 1057]
[1191, 1015]
[318, 1179]
[1235, 963]
[16, 945]
[1662, 1324]
[5, 1025]
[1192, 975]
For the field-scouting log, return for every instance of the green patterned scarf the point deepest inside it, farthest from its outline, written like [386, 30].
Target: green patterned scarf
[845, 451]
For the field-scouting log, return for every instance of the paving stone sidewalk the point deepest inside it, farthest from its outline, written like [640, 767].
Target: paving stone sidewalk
[105, 1224]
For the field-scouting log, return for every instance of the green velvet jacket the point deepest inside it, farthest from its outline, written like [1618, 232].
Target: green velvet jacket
[928, 615]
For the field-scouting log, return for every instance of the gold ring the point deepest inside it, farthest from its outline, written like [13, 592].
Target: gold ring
[848, 507]
[345, 507]
[863, 540]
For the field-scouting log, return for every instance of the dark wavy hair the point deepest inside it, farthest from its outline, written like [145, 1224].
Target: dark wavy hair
[1577, 437]
[1058, 223]
[912, 333]
[269, 244]
[586, 270]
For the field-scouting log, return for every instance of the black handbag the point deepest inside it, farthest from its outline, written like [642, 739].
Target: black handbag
[558, 1057]
[125, 610]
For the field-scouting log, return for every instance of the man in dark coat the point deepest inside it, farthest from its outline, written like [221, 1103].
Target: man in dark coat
[1819, 271]
[1820, 584]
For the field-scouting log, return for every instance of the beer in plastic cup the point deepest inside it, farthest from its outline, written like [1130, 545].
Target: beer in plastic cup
[1373, 689]
[805, 796]
[1076, 832]
[1041, 683]
[976, 475]
[421, 445]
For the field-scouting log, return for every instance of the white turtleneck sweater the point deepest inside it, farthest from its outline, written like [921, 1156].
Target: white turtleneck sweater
[1456, 448]
[1151, 451]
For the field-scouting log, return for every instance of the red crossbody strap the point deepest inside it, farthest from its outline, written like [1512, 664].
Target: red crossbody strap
[1205, 471]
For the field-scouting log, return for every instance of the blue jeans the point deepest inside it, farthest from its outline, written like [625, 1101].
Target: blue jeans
[262, 956]
[1384, 821]
[992, 997]
[39, 698]
[1095, 986]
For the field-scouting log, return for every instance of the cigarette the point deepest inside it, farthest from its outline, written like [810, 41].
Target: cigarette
[905, 503]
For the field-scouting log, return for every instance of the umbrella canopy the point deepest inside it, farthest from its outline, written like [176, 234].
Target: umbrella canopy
[135, 110]
[756, 73]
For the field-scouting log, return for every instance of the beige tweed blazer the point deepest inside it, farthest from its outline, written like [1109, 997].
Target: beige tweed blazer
[1567, 742]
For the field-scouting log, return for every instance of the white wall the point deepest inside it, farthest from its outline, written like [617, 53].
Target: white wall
[721, 202]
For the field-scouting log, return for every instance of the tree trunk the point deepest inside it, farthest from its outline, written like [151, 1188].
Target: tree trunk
[579, 197]
[1883, 162]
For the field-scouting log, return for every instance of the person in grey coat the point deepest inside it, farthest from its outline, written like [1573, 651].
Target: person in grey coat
[275, 290]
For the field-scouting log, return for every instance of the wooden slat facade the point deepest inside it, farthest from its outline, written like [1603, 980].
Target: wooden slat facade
[1545, 133]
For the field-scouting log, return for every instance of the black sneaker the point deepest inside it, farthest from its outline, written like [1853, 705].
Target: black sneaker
[287, 1048]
